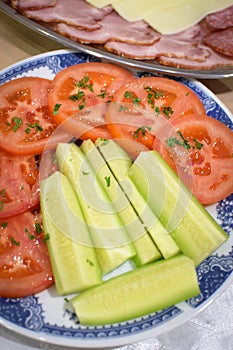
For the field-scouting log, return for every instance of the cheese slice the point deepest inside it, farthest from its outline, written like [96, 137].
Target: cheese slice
[166, 16]
[184, 15]
[101, 3]
[132, 10]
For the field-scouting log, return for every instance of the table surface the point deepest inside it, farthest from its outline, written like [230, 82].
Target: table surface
[212, 329]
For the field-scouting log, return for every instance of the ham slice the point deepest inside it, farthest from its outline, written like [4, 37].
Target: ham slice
[182, 45]
[113, 27]
[73, 12]
[32, 4]
[214, 60]
[221, 19]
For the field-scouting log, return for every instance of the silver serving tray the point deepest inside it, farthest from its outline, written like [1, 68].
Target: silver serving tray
[99, 51]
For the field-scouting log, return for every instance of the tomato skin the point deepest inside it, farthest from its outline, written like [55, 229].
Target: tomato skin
[25, 122]
[19, 184]
[162, 96]
[79, 87]
[210, 155]
[24, 261]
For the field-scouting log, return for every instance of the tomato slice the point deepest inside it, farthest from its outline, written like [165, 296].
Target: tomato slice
[24, 261]
[209, 143]
[78, 87]
[19, 184]
[25, 122]
[165, 97]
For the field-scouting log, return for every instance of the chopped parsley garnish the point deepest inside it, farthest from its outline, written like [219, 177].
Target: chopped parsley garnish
[56, 108]
[35, 125]
[85, 172]
[103, 94]
[198, 144]
[83, 83]
[130, 95]
[17, 123]
[142, 130]
[108, 180]
[14, 241]
[167, 110]
[4, 224]
[46, 237]
[172, 141]
[1, 205]
[38, 228]
[90, 262]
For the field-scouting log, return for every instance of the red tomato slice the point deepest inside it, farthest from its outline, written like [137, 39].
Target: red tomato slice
[210, 146]
[19, 184]
[163, 96]
[25, 123]
[24, 261]
[78, 87]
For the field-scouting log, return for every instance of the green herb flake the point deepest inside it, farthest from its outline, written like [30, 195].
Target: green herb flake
[35, 125]
[108, 180]
[17, 123]
[4, 224]
[90, 262]
[198, 144]
[1, 205]
[66, 300]
[30, 236]
[83, 83]
[85, 172]
[13, 241]
[56, 108]
[141, 130]
[46, 237]
[103, 94]
[38, 228]
[3, 193]
[167, 110]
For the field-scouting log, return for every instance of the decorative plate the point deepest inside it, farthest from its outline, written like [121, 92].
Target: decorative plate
[44, 316]
[99, 51]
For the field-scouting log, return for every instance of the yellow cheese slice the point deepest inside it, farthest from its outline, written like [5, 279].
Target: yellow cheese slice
[132, 10]
[101, 3]
[184, 15]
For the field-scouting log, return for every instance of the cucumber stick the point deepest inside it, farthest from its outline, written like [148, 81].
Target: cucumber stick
[111, 241]
[189, 223]
[146, 251]
[75, 266]
[120, 163]
[138, 292]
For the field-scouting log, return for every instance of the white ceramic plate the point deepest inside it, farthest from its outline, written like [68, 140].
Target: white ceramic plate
[44, 316]
[99, 51]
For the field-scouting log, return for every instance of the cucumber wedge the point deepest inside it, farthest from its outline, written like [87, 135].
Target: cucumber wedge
[146, 251]
[120, 164]
[75, 266]
[189, 223]
[138, 292]
[111, 241]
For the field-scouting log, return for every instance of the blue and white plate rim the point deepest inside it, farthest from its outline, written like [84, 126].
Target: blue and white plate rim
[128, 332]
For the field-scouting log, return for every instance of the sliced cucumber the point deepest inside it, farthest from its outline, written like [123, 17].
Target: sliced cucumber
[120, 163]
[75, 266]
[138, 292]
[189, 223]
[146, 251]
[111, 241]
